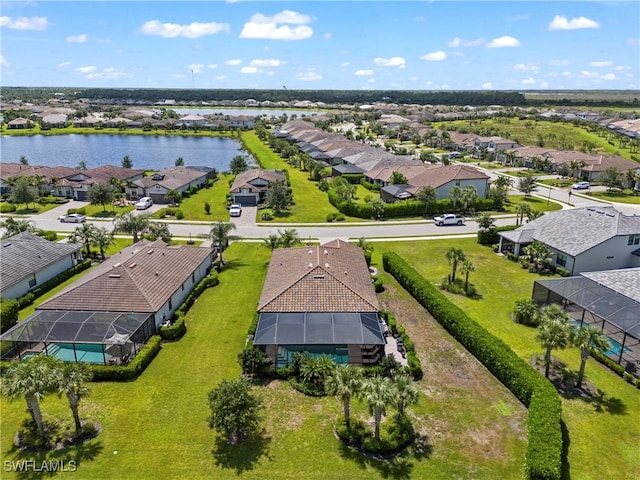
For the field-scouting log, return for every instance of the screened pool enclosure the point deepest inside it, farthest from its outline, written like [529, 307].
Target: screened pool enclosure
[76, 336]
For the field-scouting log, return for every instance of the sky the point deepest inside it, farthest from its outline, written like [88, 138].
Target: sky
[346, 45]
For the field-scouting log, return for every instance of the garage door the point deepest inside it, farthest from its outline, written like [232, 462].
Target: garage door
[158, 199]
[245, 200]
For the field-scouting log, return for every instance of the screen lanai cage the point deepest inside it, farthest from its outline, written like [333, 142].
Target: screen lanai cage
[589, 302]
[77, 336]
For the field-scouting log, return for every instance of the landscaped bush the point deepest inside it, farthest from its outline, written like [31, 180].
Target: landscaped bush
[544, 451]
[81, 211]
[490, 237]
[563, 272]
[378, 285]
[179, 214]
[123, 373]
[50, 235]
[414, 366]
[9, 310]
[331, 216]
[7, 207]
[352, 436]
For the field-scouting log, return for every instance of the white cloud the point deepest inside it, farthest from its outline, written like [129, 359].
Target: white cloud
[308, 76]
[212, 65]
[566, 74]
[363, 73]
[588, 74]
[528, 81]
[434, 56]
[193, 30]
[4, 62]
[608, 76]
[195, 67]
[77, 38]
[64, 64]
[487, 85]
[221, 77]
[88, 69]
[600, 64]
[562, 23]
[277, 27]
[559, 62]
[233, 62]
[390, 62]
[327, 36]
[633, 41]
[620, 68]
[266, 63]
[345, 64]
[251, 70]
[460, 42]
[529, 67]
[24, 23]
[505, 41]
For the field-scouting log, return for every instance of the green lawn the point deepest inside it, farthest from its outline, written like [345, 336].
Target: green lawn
[608, 423]
[98, 211]
[536, 203]
[216, 196]
[617, 197]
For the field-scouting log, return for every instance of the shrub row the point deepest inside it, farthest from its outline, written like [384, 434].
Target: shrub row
[81, 210]
[178, 328]
[7, 207]
[123, 373]
[544, 450]
[489, 237]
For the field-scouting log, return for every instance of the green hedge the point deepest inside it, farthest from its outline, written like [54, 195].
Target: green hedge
[123, 373]
[544, 450]
[9, 310]
[7, 207]
[179, 327]
[489, 237]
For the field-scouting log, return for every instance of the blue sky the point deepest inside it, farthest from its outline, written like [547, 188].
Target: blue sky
[414, 45]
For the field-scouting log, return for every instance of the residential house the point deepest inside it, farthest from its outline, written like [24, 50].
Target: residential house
[583, 239]
[180, 179]
[78, 184]
[244, 122]
[191, 120]
[28, 261]
[19, 123]
[320, 299]
[250, 187]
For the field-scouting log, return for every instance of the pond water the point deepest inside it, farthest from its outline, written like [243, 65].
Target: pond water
[146, 152]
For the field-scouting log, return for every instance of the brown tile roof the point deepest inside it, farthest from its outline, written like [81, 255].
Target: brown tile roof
[143, 283]
[174, 178]
[441, 175]
[244, 179]
[333, 277]
[602, 162]
[104, 173]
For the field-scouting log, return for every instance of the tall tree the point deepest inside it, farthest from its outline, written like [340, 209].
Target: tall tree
[467, 267]
[102, 239]
[22, 192]
[13, 227]
[553, 332]
[235, 411]
[485, 221]
[426, 195]
[100, 194]
[397, 178]
[612, 178]
[527, 184]
[82, 165]
[179, 162]
[32, 379]
[406, 394]
[455, 256]
[238, 164]
[173, 197]
[72, 381]
[289, 237]
[84, 234]
[587, 338]
[133, 224]
[469, 196]
[455, 194]
[523, 208]
[344, 383]
[378, 393]
[219, 236]
[276, 196]
[315, 370]
[503, 182]
[127, 162]
[23, 160]
[159, 231]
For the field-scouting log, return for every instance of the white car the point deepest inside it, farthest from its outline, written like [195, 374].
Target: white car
[449, 219]
[144, 203]
[73, 218]
[580, 186]
[235, 210]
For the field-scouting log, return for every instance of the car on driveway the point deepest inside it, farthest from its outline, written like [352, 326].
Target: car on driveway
[73, 218]
[580, 186]
[144, 203]
[449, 219]
[235, 210]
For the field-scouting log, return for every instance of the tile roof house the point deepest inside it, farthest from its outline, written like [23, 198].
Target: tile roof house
[250, 187]
[320, 299]
[27, 261]
[180, 179]
[583, 239]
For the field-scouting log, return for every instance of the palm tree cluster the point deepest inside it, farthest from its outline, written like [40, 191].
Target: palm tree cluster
[90, 235]
[286, 239]
[458, 260]
[347, 382]
[556, 332]
[42, 375]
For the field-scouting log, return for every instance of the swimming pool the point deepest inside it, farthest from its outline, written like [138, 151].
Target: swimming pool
[84, 352]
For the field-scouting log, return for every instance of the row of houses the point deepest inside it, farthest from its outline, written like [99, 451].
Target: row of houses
[70, 182]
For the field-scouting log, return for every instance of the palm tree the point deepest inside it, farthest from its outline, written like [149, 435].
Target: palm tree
[84, 234]
[467, 267]
[455, 194]
[586, 338]
[522, 209]
[406, 393]
[132, 223]
[454, 256]
[468, 196]
[13, 227]
[72, 378]
[219, 236]
[127, 162]
[173, 196]
[527, 184]
[102, 239]
[525, 311]
[160, 231]
[378, 392]
[539, 255]
[344, 382]
[32, 379]
[503, 182]
[316, 370]
[426, 195]
[365, 245]
[553, 332]
[289, 237]
[272, 242]
[485, 221]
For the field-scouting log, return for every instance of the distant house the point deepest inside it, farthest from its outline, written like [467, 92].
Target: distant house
[108, 314]
[191, 120]
[442, 178]
[320, 299]
[79, 183]
[584, 239]
[180, 179]
[241, 121]
[55, 119]
[250, 187]
[20, 123]
[28, 261]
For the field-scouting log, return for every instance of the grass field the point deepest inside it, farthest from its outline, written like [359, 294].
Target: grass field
[216, 196]
[617, 197]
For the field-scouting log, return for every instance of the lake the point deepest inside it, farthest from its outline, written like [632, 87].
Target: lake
[146, 152]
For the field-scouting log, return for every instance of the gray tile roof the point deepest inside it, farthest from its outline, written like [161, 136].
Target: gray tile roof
[25, 254]
[142, 282]
[173, 178]
[576, 230]
[625, 281]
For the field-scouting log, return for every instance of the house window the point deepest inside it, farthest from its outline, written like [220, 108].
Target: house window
[561, 260]
[32, 280]
[182, 287]
[193, 278]
[170, 304]
[634, 239]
